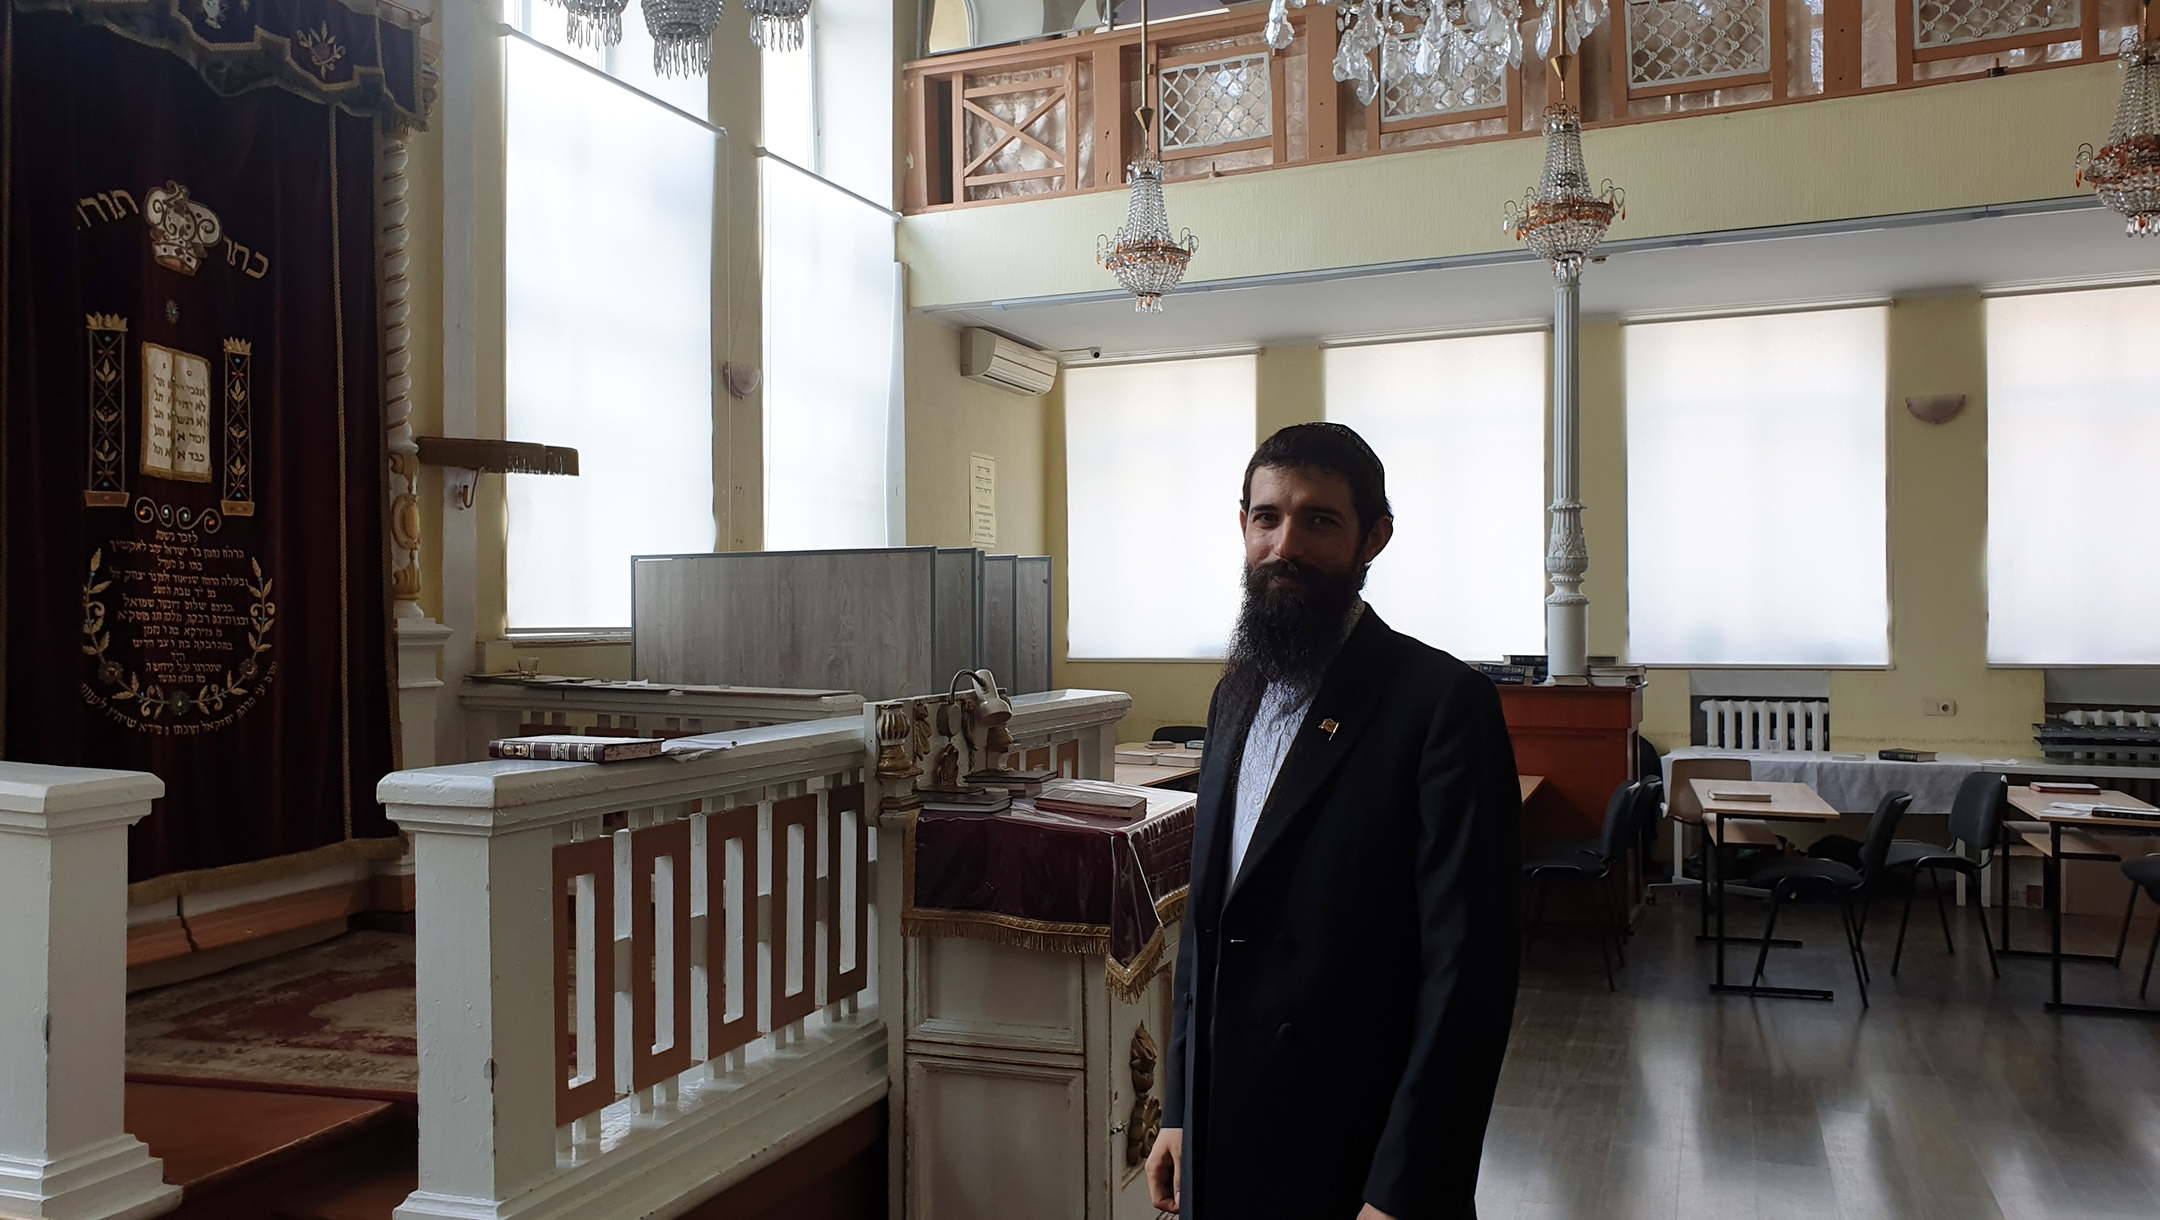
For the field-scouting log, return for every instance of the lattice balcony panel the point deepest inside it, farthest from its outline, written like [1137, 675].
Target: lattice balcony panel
[1951, 23]
[1481, 85]
[1223, 101]
[1688, 42]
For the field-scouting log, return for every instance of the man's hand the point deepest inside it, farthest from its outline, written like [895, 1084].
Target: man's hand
[1369, 1212]
[1166, 1169]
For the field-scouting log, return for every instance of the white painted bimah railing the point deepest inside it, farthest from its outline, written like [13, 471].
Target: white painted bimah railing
[639, 982]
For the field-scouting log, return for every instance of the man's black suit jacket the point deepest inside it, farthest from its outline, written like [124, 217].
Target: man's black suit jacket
[1341, 1009]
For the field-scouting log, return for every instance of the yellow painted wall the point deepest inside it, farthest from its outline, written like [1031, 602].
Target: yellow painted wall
[950, 418]
[1938, 559]
[1913, 150]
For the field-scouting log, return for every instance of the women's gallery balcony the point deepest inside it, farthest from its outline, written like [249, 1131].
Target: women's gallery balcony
[1055, 116]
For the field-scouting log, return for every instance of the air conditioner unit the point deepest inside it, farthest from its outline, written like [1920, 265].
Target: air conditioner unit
[996, 360]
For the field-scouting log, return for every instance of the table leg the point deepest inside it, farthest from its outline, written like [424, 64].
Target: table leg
[2055, 905]
[2053, 875]
[1703, 935]
[2002, 889]
[1712, 870]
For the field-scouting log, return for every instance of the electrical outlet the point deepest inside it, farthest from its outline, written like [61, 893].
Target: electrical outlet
[1942, 707]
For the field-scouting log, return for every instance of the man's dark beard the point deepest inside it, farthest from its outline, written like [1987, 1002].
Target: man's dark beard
[1289, 635]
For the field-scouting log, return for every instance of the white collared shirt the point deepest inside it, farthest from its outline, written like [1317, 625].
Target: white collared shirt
[1267, 743]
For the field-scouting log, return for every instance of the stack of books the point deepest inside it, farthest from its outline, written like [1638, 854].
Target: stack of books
[1504, 674]
[984, 801]
[1094, 797]
[1014, 783]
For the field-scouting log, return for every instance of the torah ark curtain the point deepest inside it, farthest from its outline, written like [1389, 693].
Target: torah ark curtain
[196, 577]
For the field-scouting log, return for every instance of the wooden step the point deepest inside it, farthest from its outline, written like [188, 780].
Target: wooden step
[239, 1154]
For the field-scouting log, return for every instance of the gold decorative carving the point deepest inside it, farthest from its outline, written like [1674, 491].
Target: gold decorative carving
[893, 762]
[107, 484]
[153, 701]
[404, 466]
[1145, 1122]
[919, 730]
[181, 229]
[239, 498]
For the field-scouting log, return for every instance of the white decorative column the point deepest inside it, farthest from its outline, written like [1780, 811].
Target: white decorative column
[64, 1152]
[1567, 554]
[1562, 219]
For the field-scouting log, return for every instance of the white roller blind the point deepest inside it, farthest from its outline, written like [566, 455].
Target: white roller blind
[2073, 418]
[831, 304]
[1460, 426]
[1757, 503]
[1154, 458]
[608, 336]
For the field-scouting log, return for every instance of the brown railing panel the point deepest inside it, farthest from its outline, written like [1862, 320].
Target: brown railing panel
[794, 909]
[732, 929]
[659, 902]
[584, 977]
[847, 905]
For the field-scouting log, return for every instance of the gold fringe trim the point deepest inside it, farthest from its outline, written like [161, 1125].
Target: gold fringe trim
[1172, 907]
[255, 872]
[1036, 935]
[1130, 983]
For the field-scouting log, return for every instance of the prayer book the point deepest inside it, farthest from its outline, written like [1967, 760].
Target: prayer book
[1094, 797]
[1760, 798]
[572, 747]
[2061, 785]
[1906, 755]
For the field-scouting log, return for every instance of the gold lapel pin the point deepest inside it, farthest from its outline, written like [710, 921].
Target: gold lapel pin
[1329, 727]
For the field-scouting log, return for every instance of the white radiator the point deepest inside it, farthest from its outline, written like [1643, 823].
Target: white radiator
[1766, 724]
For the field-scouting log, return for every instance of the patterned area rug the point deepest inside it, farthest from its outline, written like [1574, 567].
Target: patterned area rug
[335, 1018]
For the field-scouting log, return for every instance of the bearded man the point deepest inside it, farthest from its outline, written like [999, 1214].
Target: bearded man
[1346, 978]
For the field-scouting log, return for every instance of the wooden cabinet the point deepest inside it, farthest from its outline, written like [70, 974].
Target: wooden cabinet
[1582, 740]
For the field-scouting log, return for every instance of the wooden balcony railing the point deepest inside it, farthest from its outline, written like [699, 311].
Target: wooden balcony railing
[1055, 117]
[631, 975]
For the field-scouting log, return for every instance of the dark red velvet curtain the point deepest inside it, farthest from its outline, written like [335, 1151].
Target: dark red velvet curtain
[194, 502]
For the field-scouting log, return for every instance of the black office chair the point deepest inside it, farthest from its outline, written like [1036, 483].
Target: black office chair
[1649, 764]
[1589, 862]
[1976, 821]
[2144, 875]
[1802, 878]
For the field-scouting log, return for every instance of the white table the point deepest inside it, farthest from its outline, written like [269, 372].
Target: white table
[1851, 785]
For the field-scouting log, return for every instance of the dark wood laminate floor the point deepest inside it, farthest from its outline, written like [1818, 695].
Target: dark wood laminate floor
[1955, 1096]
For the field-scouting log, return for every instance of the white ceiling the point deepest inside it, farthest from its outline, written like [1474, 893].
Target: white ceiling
[2061, 242]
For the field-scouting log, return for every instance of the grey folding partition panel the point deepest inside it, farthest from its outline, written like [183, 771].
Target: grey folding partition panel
[882, 622]
[1016, 621]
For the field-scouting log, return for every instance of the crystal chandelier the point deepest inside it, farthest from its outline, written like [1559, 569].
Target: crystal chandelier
[595, 23]
[682, 33]
[682, 30]
[2125, 172]
[1431, 39]
[1145, 256]
[1562, 218]
[777, 25]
